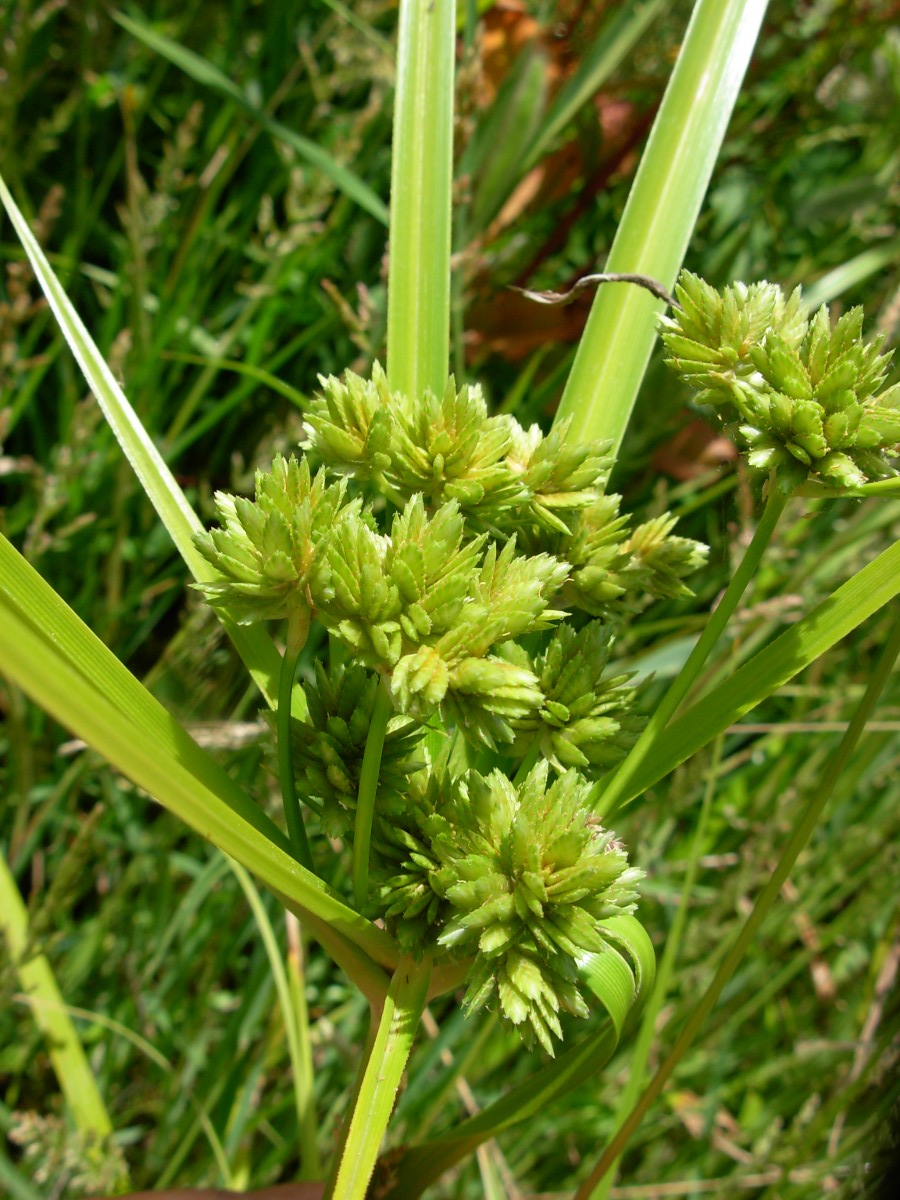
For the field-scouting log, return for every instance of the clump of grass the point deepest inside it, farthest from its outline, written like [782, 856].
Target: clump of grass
[207, 1089]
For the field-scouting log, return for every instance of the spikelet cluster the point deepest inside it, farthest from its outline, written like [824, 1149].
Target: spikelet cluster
[330, 742]
[446, 552]
[805, 396]
[271, 551]
[517, 878]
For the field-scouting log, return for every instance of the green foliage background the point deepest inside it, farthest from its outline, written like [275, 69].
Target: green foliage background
[206, 256]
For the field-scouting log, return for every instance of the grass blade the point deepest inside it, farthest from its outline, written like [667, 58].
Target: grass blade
[296, 1030]
[763, 904]
[418, 337]
[660, 215]
[36, 978]
[254, 646]
[203, 72]
[851, 273]
[616, 40]
[649, 1018]
[174, 769]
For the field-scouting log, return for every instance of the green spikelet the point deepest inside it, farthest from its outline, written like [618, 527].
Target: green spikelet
[613, 570]
[561, 477]
[585, 720]
[273, 549]
[504, 478]
[350, 424]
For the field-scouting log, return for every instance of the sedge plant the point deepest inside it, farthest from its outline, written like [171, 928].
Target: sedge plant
[452, 764]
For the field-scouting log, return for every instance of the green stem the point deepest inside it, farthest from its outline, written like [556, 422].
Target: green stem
[418, 331]
[767, 897]
[638, 1063]
[394, 1038]
[612, 795]
[422, 1165]
[659, 217]
[879, 487]
[531, 756]
[298, 627]
[368, 788]
[50, 1014]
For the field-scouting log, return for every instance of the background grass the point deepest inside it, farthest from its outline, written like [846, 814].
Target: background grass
[205, 254]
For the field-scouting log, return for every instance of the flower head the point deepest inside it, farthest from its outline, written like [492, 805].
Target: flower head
[271, 550]
[517, 877]
[804, 396]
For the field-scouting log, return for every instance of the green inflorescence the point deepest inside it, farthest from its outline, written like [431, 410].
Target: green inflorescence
[806, 396]
[476, 570]
[516, 877]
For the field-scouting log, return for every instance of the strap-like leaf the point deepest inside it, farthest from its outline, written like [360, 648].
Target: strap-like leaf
[255, 648]
[659, 217]
[856, 600]
[70, 673]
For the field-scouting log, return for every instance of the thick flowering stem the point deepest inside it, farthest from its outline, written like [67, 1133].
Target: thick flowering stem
[399, 1019]
[368, 786]
[687, 676]
[298, 627]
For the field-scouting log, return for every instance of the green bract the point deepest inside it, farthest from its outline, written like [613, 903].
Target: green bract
[517, 877]
[804, 395]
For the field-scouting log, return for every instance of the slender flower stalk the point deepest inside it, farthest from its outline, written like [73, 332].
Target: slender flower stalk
[764, 902]
[368, 787]
[298, 626]
[611, 796]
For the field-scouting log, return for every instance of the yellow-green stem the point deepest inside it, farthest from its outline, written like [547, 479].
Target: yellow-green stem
[394, 1038]
[798, 839]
